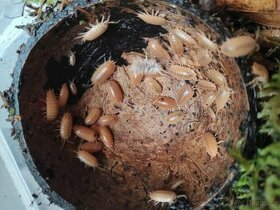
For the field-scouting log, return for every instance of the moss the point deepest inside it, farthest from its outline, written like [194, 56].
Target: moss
[259, 185]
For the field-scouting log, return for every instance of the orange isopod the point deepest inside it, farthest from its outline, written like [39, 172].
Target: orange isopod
[208, 99]
[66, 126]
[115, 91]
[63, 95]
[93, 115]
[222, 97]
[154, 84]
[91, 147]
[175, 117]
[156, 50]
[210, 144]
[87, 158]
[51, 106]
[206, 85]
[184, 94]
[176, 44]
[103, 72]
[216, 76]
[186, 38]
[153, 18]
[164, 102]
[107, 119]
[106, 136]
[85, 133]
[182, 72]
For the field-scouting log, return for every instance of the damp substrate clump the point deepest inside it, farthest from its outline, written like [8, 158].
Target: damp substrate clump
[173, 103]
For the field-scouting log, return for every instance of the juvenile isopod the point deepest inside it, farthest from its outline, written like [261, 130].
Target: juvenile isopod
[93, 116]
[239, 46]
[216, 76]
[175, 117]
[115, 91]
[107, 119]
[152, 19]
[164, 102]
[136, 77]
[184, 37]
[203, 57]
[222, 98]
[182, 72]
[95, 30]
[210, 144]
[85, 133]
[66, 126]
[87, 158]
[91, 147]
[162, 196]
[51, 106]
[208, 99]
[261, 73]
[177, 183]
[73, 88]
[156, 50]
[175, 44]
[63, 96]
[211, 113]
[72, 58]
[209, 44]
[103, 72]
[106, 136]
[184, 94]
[206, 85]
[154, 84]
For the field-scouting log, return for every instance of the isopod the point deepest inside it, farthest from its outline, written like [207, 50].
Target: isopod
[73, 88]
[51, 106]
[216, 76]
[152, 19]
[206, 85]
[85, 133]
[91, 147]
[175, 117]
[115, 91]
[66, 126]
[106, 136]
[156, 50]
[95, 30]
[209, 44]
[239, 46]
[154, 84]
[136, 77]
[203, 57]
[72, 58]
[103, 72]
[222, 97]
[162, 196]
[210, 144]
[261, 72]
[63, 96]
[176, 44]
[93, 116]
[177, 183]
[164, 102]
[107, 119]
[211, 113]
[208, 99]
[182, 72]
[184, 37]
[87, 158]
[184, 94]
